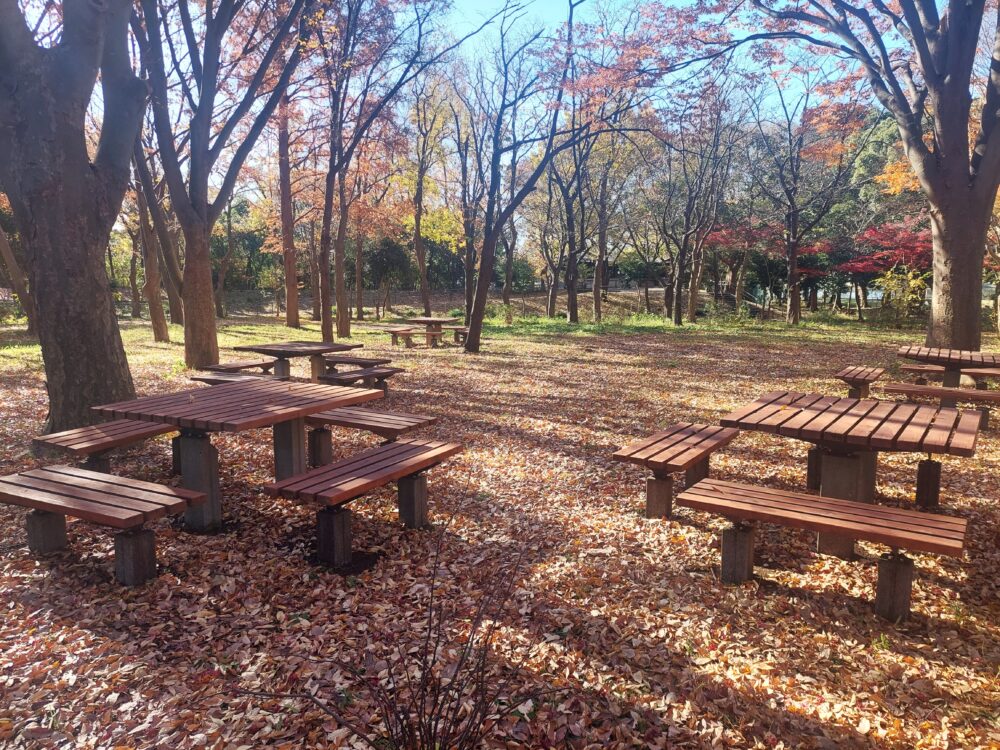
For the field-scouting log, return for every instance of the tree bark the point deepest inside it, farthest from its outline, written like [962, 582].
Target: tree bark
[314, 275]
[958, 234]
[694, 287]
[418, 243]
[469, 261]
[133, 279]
[359, 276]
[201, 346]
[151, 272]
[287, 218]
[572, 296]
[339, 262]
[509, 245]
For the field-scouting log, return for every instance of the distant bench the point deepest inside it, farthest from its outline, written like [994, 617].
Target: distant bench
[946, 395]
[460, 332]
[404, 333]
[745, 505]
[264, 365]
[681, 447]
[370, 377]
[336, 484]
[220, 378]
[387, 424]
[859, 379]
[126, 504]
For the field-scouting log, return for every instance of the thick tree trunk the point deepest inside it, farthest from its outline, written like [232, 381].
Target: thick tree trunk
[19, 281]
[339, 264]
[793, 313]
[287, 219]
[201, 346]
[552, 294]
[958, 235]
[572, 296]
[85, 362]
[151, 273]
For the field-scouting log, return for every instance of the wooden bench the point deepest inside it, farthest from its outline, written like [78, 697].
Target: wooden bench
[336, 484]
[681, 447]
[404, 333]
[333, 361]
[899, 529]
[94, 442]
[434, 338]
[59, 491]
[370, 377]
[925, 372]
[219, 378]
[386, 424]
[265, 366]
[859, 379]
[461, 332]
[945, 395]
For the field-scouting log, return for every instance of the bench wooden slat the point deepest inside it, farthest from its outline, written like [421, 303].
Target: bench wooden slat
[126, 482]
[149, 511]
[914, 530]
[86, 441]
[352, 376]
[678, 447]
[14, 493]
[247, 364]
[386, 424]
[968, 395]
[345, 480]
[860, 374]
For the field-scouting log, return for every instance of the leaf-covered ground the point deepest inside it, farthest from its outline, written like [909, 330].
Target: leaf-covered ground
[625, 616]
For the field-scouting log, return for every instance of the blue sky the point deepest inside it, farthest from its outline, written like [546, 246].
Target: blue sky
[470, 13]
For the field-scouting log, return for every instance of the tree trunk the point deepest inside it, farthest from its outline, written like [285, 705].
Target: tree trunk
[133, 278]
[19, 281]
[287, 219]
[741, 279]
[510, 245]
[645, 299]
[958, 235]
[151, 272]
[677, 294]
[572, 297]
[167, 245]
[359, 276]
[793, 313]
[694, 287]
[418, 244]
[469, 262]
[486, 260]
[201, 346]
[339, 261]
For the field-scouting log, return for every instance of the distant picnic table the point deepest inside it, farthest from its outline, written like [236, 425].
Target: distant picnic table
[284, 351]
[952, 360]
[849, 433]
[434, 327]
[235, 407]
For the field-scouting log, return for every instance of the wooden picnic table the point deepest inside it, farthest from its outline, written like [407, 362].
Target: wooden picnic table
[952, 360]
[283, 351]
[849, 433]
[235, 407]
[433, 326]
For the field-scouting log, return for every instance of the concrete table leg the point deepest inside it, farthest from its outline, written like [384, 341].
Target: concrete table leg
[696, 472]
[320, 447]
[46, 531]
[659, 496]
[737, 553]
[412, 501]
[894, 587]
[317, 367]
[861, 390]
[333, 536]
[951, 379]
[135, 557]
[289, 448]
[282, 368]
[849, 477]
[200, 461]
[928, 483]
[175, 456]
[98, 462]
[814, 461]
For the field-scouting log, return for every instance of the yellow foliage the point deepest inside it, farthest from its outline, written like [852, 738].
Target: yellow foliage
[898, 177]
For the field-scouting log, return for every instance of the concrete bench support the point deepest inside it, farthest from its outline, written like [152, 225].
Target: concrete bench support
[135, 557]
[289, 448]
[814, 463]
[200, 460]
[412, 501]
[696, 472]
[46, 532]
[659, 496]
[320, 447]
[333, 536]
[894, 587]
[737, 553]
[848, 477]
[928, 483]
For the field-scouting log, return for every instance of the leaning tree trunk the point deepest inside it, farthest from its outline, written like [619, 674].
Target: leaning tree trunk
[469, 261]
[133, 278]
[201, 346]
[486, 260]
[287, 219]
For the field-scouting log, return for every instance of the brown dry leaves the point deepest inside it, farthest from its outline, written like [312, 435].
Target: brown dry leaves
[625, 615]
